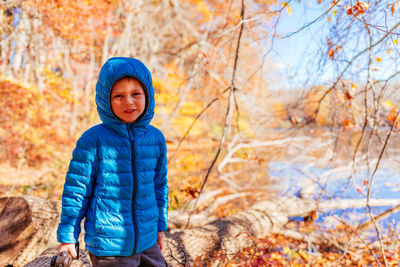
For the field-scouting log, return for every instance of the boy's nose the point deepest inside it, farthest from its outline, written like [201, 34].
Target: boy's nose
[129, 100]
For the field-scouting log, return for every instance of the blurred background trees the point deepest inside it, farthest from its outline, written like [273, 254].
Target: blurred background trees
[206, 57]
[51, 52]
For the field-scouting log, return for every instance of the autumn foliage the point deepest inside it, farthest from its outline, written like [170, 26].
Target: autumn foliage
[359, 8]
[51, 52]
[28, 121]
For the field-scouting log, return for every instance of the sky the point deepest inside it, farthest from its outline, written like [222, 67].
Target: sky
[292, 54]
[302, 59]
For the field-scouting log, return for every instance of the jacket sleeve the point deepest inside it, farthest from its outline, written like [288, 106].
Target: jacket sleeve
[161, 188]
[78, 189]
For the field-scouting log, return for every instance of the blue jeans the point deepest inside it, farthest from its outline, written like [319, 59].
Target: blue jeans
[149, 257]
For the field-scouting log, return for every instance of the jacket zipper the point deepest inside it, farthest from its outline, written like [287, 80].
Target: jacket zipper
[134, 187]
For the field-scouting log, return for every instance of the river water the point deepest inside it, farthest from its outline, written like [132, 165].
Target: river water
[293, 179]
[303, 171]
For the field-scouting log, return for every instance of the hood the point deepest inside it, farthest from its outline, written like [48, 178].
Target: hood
[114, 69]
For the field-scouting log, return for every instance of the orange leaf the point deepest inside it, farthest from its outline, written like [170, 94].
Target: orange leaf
[359, 8]
[392, 9]
[331, 54]
[392, 115]
[191, 191]
[346, 122]
[365, 182]
[348, 96]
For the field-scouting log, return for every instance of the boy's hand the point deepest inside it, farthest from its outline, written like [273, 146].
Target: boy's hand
[70, 247]
[160, 240]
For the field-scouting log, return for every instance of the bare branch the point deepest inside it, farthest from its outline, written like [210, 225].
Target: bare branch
[228, 112]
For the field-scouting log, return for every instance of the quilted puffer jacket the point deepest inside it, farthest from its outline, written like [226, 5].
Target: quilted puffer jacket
[117, 176]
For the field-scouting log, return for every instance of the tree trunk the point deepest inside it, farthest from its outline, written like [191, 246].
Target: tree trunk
[183, 246]
[37, 236]
[16, 227]
[34, 220]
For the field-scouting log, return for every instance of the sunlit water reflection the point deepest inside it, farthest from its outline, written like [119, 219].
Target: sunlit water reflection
[302, 180]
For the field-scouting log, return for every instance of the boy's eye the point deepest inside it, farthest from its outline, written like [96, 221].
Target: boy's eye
[117, 96]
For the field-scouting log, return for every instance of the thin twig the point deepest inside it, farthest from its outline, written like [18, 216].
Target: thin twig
[227, 116]
[196, 119]
[349, 64]
[238, 25]
[353, 231]
[311, 22]
[365, 124]
[370, 186]
[380, 216]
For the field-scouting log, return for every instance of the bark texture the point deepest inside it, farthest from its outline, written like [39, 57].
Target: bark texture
[29, 225]
[33, 242]
[16, 227]
[184, 245]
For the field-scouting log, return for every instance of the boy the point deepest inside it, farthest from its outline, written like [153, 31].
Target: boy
[117, 176]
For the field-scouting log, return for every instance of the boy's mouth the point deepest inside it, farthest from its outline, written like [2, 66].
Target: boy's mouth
[129, 110]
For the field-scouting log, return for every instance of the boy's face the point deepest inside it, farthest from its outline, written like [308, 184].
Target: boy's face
[128, 99]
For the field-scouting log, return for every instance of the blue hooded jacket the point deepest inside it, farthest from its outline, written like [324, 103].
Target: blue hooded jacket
[117, 178]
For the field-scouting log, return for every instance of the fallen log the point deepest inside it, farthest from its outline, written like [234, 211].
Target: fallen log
[38, 238]
[30, 225]
[184, 245]
[266, 217]
[16, 227]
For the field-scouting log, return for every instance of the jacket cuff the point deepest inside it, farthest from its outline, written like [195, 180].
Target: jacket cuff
[162, 226]
[66, 234]
[66, 238]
